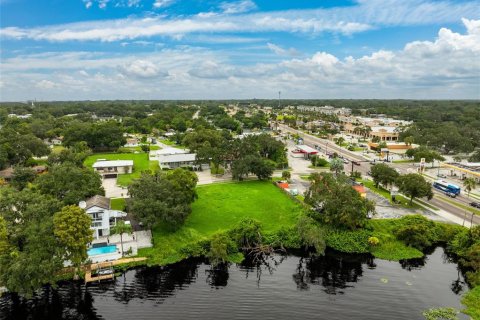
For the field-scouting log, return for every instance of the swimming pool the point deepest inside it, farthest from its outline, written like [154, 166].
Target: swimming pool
[102, 250]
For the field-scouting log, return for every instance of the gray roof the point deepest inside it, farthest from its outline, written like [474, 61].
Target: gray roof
[113, 163]
[182, 157]
[98, 201]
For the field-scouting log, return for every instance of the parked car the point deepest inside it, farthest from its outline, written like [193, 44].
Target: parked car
[441, 175]
[475, 204]
[346, 161]
[356, 163]
[450, 194]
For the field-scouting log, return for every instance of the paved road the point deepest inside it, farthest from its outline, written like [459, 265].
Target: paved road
[326, 145]
[364, 167]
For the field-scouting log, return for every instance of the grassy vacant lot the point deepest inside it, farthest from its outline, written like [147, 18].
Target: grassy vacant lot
[140, 163]
[220, 207]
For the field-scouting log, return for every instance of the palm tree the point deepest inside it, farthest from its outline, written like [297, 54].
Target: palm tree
[469, 184]
[336, 165]
[120, 228]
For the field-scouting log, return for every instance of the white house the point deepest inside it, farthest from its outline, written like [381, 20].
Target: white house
[103, 218]
[171, 158]
[112, 168]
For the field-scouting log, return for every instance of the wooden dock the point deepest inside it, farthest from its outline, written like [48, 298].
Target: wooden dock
[108, 265]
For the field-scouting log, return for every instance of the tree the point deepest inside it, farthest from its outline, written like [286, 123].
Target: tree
[32, 255]
[70, 183]
[409, 140]
[475, 157]
[336, 165]
[311, 234]
[340, 140]
[72, 228]
[220, 247]
[286, 175]
[163, 197]
[145, 148]
[22, 176]
[120, 228]
[384, 174]
[414, 186]
[336, 202]
[469, 184]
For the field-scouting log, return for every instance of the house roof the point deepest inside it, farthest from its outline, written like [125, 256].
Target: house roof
[170, 150]
[113, 163]
[98, 201]
[184, 157]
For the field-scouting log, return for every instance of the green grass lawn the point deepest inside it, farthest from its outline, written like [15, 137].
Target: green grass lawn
[140, 163]
[403, 161]
[472, 301]
[138, 148]
[117, 204]
[220, 207]
[57, 149]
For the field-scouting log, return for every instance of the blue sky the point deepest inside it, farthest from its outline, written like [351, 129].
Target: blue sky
[172, 49]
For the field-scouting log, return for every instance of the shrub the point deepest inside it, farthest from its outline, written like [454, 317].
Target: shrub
[349, 241]
[247, 233]
[221, 246]
[373, 241]
[416, 231]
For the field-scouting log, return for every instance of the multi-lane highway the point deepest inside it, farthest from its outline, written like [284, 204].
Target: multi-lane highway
[364, 167]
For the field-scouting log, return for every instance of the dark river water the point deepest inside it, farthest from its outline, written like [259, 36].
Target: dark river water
[337, 286]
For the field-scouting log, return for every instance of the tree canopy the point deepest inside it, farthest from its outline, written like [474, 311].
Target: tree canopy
[414, 185]
[336, 202]
[70, 183]
[163, 197]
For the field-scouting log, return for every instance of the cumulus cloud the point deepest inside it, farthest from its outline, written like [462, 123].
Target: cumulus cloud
[238, 6]
[444, 67]
[142, 69]
[349, 20]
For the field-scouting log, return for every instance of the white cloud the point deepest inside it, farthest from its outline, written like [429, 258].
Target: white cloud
[88, 4]
[281, 51]
[238, 6]
[45, 84]
[163, 3]
[141, 69]
[349, 20]
[446, 67]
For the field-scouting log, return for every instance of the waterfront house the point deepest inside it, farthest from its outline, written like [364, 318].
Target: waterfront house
[103, 217]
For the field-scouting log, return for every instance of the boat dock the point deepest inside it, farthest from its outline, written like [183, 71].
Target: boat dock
[104, 270]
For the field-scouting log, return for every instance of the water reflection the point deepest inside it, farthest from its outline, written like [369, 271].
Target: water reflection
[184, 290]
[334, 271]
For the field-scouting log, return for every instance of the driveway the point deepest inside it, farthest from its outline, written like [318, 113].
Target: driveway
[112, 190]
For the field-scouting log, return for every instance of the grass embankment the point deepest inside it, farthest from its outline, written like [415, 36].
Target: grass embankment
[404, 202]
[403, 161]
[458, 204]
[140, 163]
[472, 301]
[220, 207]
[390, 248]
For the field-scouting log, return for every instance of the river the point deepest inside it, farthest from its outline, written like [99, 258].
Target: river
[336, 286]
